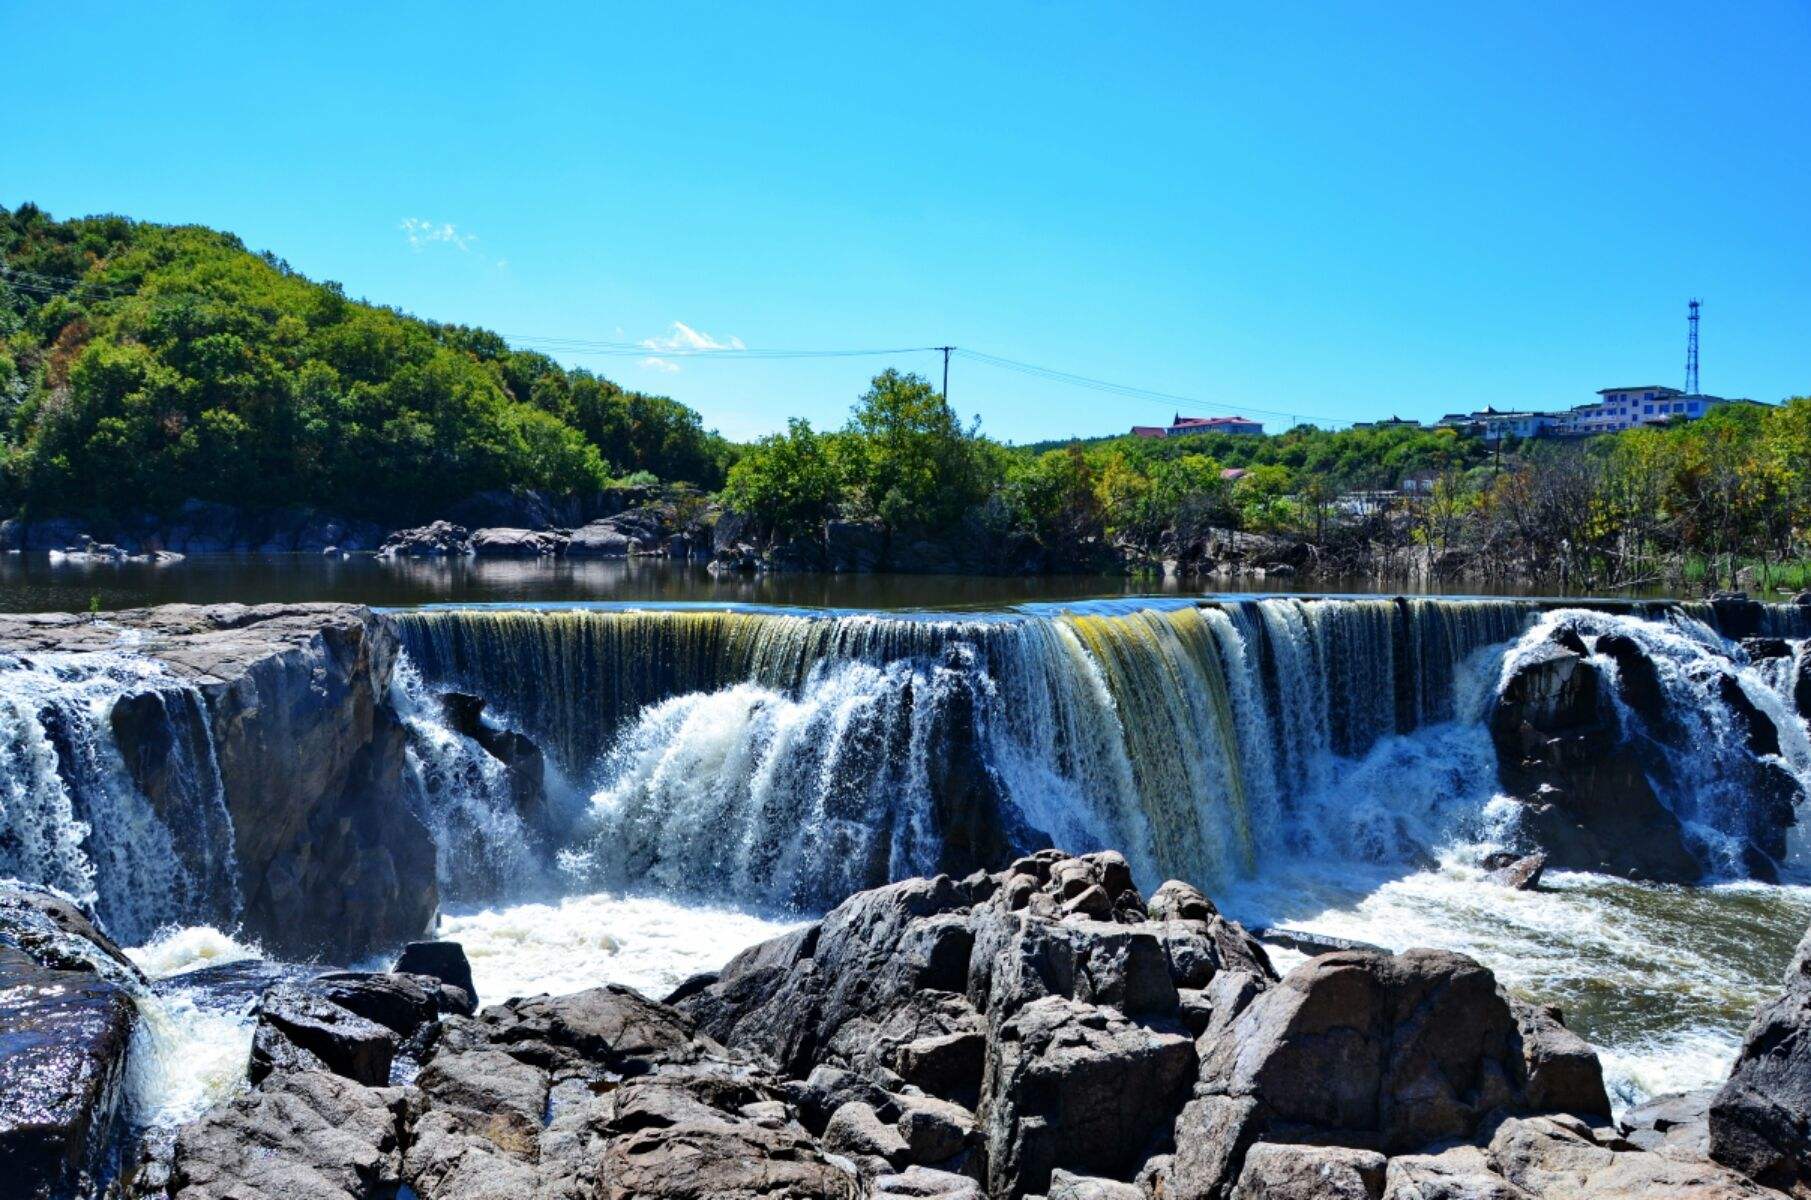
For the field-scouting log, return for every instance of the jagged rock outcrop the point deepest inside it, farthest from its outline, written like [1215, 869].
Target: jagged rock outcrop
[66, 1022]
[1760, 1119]
[1014, 1035]
[1587, 801]
[330, 857]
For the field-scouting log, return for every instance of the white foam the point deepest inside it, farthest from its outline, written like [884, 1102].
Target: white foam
[185, 1057]
[177, 951]
[643, 942]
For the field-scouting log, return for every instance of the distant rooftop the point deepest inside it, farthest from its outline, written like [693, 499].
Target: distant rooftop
[1642, 387]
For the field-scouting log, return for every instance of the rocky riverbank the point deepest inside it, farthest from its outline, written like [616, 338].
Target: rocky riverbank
[281, 716]
[1042, 1031]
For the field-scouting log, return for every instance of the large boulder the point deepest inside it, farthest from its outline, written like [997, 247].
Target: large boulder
[303, 1134]
[1077, 1086]
[440, 539]
[1391, 1053]
[300, 1029]
[292, 702]
[516, 543]
[1760, 1120]
[63, 1040]
[600, 539]
[1562, 1158]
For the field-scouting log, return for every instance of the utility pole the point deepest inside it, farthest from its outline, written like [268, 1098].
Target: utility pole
[946, 371]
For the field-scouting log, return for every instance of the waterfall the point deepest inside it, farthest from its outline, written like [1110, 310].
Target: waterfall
[791, 757]
[1731, 754]
[148, 841]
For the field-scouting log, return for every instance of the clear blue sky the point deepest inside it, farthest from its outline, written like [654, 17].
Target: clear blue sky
[1338, 210]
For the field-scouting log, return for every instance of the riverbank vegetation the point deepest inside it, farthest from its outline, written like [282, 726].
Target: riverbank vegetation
[142, 366]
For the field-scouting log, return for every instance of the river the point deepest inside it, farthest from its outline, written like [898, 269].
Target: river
[733, 769]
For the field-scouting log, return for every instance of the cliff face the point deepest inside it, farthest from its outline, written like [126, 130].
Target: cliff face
[290, 702]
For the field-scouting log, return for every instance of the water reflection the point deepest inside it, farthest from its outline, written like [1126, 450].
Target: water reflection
[31, 583]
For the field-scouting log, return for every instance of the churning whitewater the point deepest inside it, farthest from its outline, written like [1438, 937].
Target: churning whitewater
[712, 775]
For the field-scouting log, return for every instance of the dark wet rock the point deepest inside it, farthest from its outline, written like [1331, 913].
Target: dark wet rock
[1637, 679]
[64, 1034]
[1586, 798]
[444, 961]
[522, 759]
[1077, 1086]
[854, 546]
[439, 539]
[403, 1004]
[1292, 1172]
[1736, 616]
[1801, 685]
[299, 1028]
[58, 933]
[1761, 648]
[1521, 872]
[1760, 1119]
[308, 1134]
[331, 858]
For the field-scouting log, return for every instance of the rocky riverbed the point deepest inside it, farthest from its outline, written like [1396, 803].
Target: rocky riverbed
[1041, 1031]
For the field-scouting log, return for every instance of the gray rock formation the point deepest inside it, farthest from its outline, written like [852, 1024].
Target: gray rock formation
[330, 856]
[517, 543]
[1360, 1075]
[439, 539]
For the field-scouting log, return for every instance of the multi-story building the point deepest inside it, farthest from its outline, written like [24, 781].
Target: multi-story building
[1493, 424]
[1182, 426]
[1620, 408]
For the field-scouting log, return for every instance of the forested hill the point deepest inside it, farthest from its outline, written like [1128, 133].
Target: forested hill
[143, 365]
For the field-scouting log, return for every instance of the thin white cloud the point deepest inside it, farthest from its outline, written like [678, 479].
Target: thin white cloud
[684, 337]
[660, 364]
[425, 233]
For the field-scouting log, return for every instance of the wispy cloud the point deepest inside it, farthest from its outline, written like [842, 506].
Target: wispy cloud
[422, 234]
[684, 337]
[660, 364]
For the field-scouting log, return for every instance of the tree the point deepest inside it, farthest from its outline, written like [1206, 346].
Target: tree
[786, 481]
[911, 463]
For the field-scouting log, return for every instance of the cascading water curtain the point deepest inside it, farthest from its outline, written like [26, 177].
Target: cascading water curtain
[791, 758]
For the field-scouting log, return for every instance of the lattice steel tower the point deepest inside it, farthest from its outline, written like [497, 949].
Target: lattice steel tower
[1691, 352]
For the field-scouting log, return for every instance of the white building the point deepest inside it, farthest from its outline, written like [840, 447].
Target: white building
[1620, 408]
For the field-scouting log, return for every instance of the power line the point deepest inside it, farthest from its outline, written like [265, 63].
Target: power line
[31, 281]
[1121, 389]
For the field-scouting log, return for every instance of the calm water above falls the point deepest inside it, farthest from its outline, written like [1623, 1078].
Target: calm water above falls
[31, 583]
[1321, 764]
